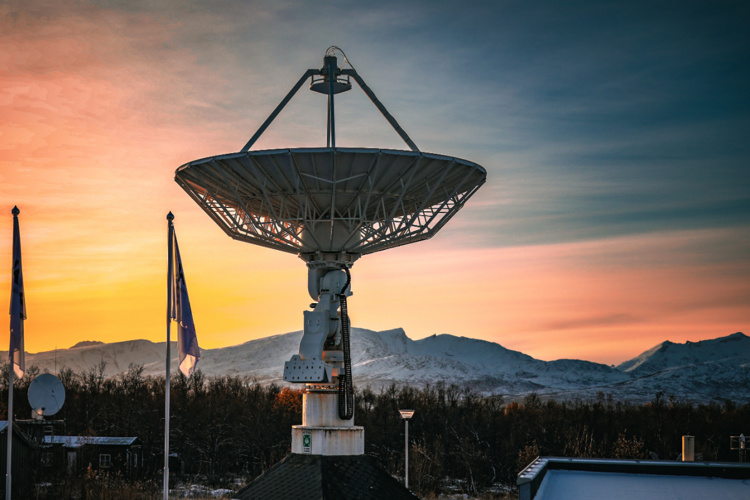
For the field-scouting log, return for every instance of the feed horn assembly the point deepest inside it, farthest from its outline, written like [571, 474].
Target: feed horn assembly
[330, 206]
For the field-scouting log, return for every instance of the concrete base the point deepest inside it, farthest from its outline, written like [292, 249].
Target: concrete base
[328, 441]
[322, 431]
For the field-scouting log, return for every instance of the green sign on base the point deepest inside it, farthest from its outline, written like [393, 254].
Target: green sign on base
[306, 443]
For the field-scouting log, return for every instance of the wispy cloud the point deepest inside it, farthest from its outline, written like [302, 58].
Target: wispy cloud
[614, 135]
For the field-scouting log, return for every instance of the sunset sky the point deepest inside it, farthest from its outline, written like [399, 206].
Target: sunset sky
[616, 138]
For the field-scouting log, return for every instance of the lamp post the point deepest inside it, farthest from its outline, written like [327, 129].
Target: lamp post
[406, 415]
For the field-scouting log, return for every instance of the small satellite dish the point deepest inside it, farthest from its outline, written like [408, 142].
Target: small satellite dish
[46, 395]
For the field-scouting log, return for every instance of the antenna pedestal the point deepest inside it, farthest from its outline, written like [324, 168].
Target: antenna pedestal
[321, 357]
[322, 431]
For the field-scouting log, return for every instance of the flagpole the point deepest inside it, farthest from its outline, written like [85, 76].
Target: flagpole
[170, 271]
[9, 432]
[16, 328]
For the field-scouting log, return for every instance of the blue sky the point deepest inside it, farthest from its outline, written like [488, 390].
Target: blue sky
[616, 136]
[592, 120]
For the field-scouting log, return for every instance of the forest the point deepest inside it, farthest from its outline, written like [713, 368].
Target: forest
[228, 430]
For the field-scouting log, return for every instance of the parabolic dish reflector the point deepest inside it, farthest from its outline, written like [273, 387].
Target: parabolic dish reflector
[331, 200]
[46, 394]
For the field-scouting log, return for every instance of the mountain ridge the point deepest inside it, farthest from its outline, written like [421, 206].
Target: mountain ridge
[694, 371]
[670, 353]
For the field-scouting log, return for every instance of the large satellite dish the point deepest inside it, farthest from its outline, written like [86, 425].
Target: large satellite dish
[320, 201]
[330, 206]
[46, 395]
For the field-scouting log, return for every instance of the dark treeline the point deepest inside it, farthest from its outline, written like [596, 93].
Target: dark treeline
[481, 440]
[227, 427]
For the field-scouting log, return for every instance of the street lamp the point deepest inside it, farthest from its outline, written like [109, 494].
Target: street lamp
[406, 415]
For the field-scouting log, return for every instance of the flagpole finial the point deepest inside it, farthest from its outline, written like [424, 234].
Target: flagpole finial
[15, 211]
[170, 217]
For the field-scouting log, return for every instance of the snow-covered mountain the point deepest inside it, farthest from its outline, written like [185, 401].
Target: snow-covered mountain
[731, 350]
[700, 371]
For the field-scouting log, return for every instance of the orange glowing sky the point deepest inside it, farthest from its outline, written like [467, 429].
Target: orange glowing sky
[100, 104]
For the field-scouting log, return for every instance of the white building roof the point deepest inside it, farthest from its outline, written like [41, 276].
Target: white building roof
[78, 441]
[552, 478]
[587, 485]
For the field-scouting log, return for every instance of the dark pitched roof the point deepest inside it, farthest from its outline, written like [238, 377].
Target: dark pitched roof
[316, 477]
[18, 432]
